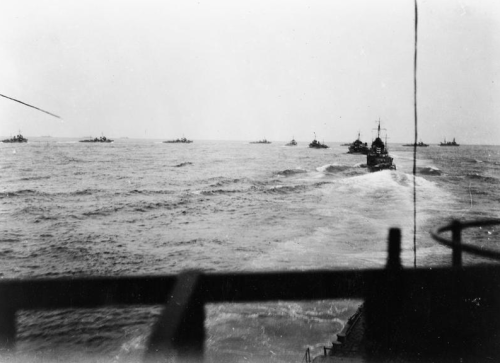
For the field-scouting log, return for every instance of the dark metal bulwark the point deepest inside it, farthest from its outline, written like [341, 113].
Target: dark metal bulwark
[439, 312]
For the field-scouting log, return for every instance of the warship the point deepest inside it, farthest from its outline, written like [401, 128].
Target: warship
[315, 144]
[102, 139]
[263, 141]
[16, 139]
[418, 144]
[378, 157]
[358, 147]
[449, 143]
[178, 141]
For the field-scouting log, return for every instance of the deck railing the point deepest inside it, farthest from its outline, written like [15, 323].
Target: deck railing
[404, 307]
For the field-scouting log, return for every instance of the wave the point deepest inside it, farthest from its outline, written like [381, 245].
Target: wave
[265, 187]
[149, 206]
[140, 206]
[388, 187]
[491, 162]
[487, 179]
[82, 192]
[8, 240]
[334, 168]
[101, 212]
[46, 218]
[219, 191]
[471, 160]
[287, 189]
[406, 180]
[283, 189]
[67, 160]
[429, 170]
[20, 193]
[183, 164]
[266, 183]
[187, 243]
[290, 172]
[35, 178]
[86, 192]
[222, 181]
[149, 192]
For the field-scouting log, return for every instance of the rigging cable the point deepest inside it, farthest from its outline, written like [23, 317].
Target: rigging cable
[415, 144]
[36, 108]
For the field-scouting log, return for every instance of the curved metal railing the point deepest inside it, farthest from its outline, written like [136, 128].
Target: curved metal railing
[456, 244]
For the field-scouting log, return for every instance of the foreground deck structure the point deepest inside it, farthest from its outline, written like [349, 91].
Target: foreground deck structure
[446, 314]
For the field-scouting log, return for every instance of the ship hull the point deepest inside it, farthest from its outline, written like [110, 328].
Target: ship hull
[98, 142]
[377, 162]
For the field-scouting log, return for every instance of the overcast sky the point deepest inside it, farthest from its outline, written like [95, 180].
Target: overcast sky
[245, 70]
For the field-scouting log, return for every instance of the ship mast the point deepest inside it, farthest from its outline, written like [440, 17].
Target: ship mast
[378, 129]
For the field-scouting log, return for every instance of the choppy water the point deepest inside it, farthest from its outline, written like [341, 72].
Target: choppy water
[143, 207]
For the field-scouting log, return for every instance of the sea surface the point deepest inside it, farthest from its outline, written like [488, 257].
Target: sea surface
[143, 207]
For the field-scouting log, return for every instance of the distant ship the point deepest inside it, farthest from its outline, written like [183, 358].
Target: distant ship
[449, 143]
[358, 147]
[181, 141]
[378, 157]
[317, 145]
[16, 139]
[419, 144]
[292, 143]
[263, 141]
[98, 139]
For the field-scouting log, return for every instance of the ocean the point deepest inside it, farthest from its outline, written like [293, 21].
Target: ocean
[143, 207]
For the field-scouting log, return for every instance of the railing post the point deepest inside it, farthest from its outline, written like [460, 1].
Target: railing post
[456, 235]
[7, 326]
[179, 333]
[7, 321]
[385, 301]
[394, 253]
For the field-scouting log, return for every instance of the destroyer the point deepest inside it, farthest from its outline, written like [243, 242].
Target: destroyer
[315, 144]
[16, 139]
[358, 147]
[378, 157]
[98, 139]
[263, 141]
[292, 143]
[418, 144]
[449, 143]
[181, 141]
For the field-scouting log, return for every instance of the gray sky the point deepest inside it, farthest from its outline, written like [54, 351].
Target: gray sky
[245, 70]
